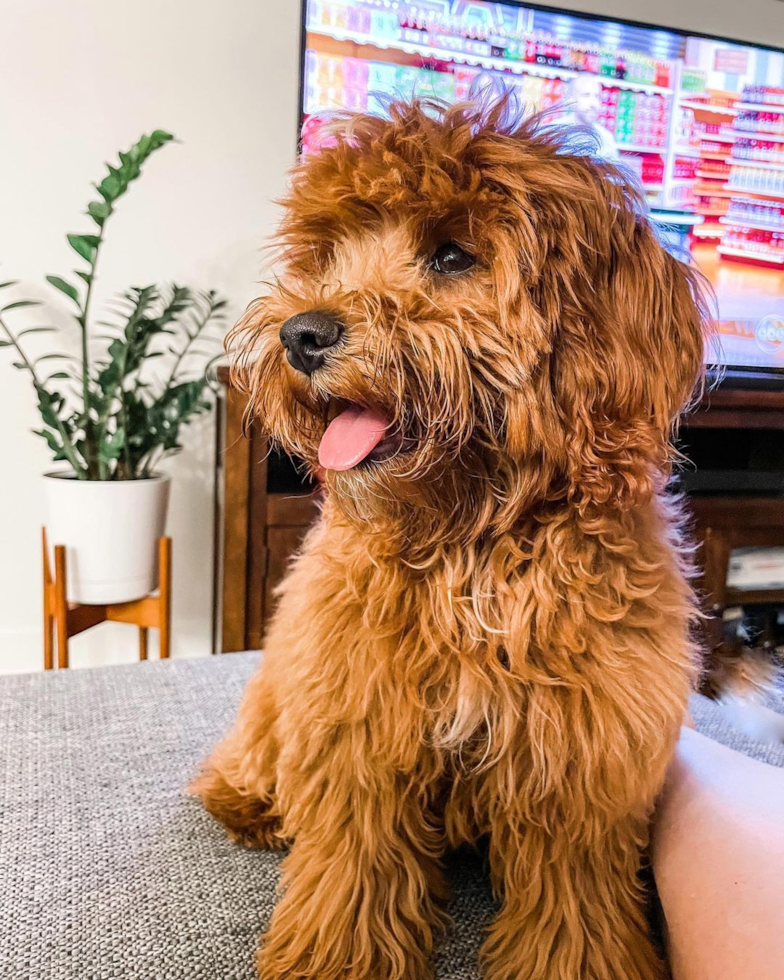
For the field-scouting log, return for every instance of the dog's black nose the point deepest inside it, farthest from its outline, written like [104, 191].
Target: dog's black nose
[307, 337]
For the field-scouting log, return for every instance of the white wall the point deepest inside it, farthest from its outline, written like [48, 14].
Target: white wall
[85, 78]
[81, 80]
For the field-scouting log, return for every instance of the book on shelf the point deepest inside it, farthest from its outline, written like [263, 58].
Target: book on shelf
[756, 568]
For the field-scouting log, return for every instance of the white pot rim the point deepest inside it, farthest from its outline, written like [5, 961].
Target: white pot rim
[156, 478]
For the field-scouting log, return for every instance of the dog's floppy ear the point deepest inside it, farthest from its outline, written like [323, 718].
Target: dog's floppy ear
[628, 348]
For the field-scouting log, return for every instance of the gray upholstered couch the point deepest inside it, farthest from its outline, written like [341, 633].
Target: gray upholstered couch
[108, 871]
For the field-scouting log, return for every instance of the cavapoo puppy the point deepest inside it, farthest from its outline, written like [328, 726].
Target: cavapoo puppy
[478, 338]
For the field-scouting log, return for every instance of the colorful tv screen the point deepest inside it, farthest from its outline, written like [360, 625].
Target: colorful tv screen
[699, 120]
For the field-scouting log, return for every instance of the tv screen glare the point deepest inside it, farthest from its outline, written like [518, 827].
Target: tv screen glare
[700, 121]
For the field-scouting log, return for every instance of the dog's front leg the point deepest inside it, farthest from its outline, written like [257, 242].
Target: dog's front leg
[571, 910]
[568, 833]
[237, 782]
[362, 886]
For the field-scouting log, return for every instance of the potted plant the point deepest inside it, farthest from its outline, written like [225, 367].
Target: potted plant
[112, 412]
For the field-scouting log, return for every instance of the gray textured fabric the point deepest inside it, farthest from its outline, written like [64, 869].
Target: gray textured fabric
[710, 720]
[108, 871]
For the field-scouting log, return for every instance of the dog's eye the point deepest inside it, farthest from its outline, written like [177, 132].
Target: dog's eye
[449, 259]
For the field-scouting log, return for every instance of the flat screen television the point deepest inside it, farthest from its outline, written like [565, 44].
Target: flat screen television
[699, 119]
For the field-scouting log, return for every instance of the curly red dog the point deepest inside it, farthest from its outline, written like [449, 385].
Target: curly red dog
[479, 338]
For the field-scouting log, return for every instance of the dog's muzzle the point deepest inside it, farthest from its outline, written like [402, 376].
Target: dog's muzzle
[308, 337]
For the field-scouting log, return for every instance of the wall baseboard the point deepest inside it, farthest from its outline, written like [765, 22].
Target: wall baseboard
[21, 649]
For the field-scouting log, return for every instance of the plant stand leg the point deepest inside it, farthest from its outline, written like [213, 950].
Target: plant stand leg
[69, 620]
[48, 623]
[164, 616]
[142, 643]
[48, 639]
[60, 606]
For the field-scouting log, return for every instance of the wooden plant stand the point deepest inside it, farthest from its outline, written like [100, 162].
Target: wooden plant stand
[69, 618]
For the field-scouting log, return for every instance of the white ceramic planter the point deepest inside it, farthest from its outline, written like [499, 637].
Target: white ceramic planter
[110, 530]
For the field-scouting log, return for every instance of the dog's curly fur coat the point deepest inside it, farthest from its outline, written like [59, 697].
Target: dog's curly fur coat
[489, 632]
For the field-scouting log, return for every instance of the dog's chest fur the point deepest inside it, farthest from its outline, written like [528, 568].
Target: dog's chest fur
[447, 662]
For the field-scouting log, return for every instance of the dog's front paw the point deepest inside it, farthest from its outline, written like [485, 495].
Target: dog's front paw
[249, 820]
[334, 957]
[264, 834]
[351, 918]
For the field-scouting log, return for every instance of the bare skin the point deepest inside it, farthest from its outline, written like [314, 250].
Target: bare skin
[718, 858]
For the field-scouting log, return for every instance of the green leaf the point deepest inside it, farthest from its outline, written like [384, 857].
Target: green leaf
[111, 448]
[84, 245]
[6, 343]
[55, 444]
[64, 287]
[86, 276]
[115, 184]
[19, 304]
[9, 282]
[109, 188]
[58, 375]
[49, 404]
[99, 211]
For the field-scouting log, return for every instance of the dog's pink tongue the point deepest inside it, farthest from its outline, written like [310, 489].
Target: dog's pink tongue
[350, 437]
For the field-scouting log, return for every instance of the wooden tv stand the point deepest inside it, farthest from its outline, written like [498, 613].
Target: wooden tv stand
[259, 525]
